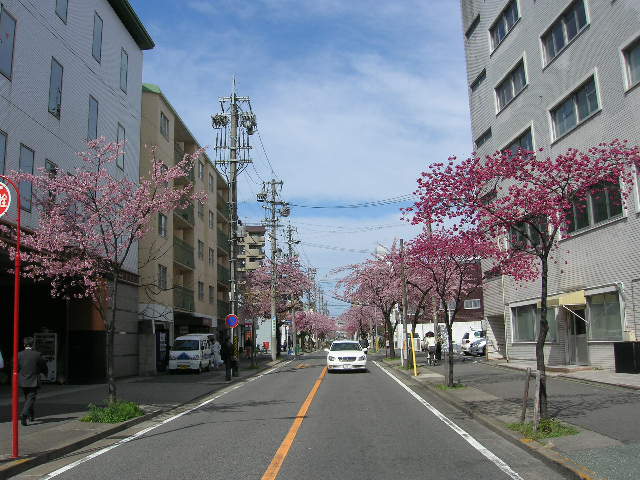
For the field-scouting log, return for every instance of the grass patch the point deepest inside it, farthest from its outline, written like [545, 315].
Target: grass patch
[456, 386]
[115, 412]
[548, 428]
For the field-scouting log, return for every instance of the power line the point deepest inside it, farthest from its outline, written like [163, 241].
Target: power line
[374, 203]
[338, 249]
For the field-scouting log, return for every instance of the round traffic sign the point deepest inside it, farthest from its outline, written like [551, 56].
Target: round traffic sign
[5, 199]
[232, 320]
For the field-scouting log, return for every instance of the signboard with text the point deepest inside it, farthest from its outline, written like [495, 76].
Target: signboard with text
[5, 199]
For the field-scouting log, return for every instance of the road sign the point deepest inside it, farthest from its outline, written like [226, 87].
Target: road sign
[232, 320]
[248, 323]
[5, 199]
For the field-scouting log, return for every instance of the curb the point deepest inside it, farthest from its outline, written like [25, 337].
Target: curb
[552, 458]
[14, 467]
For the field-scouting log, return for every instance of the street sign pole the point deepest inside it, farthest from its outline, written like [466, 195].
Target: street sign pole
[5, 203]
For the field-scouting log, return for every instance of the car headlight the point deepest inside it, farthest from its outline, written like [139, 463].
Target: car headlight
[331, 359]
[363, 357]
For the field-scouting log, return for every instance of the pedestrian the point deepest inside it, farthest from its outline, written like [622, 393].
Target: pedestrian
[30, 365]
[217, 359]
[430, 342]
[227, 357]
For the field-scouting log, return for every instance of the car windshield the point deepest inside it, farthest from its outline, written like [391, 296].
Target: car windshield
[186, 345]
[342, 346]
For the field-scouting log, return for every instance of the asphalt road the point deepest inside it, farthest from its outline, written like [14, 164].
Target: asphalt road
[358, 425]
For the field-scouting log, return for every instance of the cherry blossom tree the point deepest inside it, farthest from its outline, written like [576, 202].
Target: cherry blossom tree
[529, 201]
[361, 319]
[450, 259]
[291, 282]
[375, 282]
[90, 220]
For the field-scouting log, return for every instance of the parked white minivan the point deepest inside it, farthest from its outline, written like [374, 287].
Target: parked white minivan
[191, 352]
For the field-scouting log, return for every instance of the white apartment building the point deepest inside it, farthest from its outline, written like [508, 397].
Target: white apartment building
[70, 71]
[555, 74]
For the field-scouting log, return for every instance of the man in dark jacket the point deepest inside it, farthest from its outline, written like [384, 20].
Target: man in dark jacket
[30, 366]
[226, 353]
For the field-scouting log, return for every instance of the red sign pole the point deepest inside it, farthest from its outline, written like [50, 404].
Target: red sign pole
[16, 330]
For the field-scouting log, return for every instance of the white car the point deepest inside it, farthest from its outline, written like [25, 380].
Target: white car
[346, 355]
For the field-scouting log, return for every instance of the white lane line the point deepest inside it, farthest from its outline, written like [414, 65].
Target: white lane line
[472, 441]
[66, 468]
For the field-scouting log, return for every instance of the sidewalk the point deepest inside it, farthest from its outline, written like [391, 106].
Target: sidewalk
[58, 430]
[606, 415]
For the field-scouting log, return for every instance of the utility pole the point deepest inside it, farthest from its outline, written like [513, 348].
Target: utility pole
[237, 116]
[405, 358]
[269, 195]
[291, 242]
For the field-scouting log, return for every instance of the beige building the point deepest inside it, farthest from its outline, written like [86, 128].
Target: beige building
[184, 259]
[251, 249]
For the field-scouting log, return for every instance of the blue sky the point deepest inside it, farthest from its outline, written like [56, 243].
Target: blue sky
[353, 100]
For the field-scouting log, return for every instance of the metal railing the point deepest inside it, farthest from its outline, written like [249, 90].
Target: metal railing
[223, 207]
[183, 252]
[186, 214]
[183, 299]
[223, 240]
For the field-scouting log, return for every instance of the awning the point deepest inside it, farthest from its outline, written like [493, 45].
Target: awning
[566, 299]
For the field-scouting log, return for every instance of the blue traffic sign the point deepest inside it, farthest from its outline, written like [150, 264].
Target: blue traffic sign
[232, 320]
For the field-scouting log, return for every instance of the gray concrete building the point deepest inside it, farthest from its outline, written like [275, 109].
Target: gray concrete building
[555, 74]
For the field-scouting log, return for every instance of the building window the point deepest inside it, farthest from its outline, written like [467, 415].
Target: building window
[472, 304]
[55, 88]
[92, 131]
[26, 165]
[124, 69]
[579, 106]
[478, 80]
[3, 150]
[164, 125]
[212, 219]
[253, 259]
[504, 23]
[211, 257]
[603, 203]
[212, 184]
[604, 317]
[61, 9]
[200, 210]
[200, 250]
[472, 27]
[162, 277]
[482, 139]
[565, 29]
[200, 291]
[212, 294]
[632, 60]
[525, 319]
[7, 38]
[523, 141]
[50, 167]
[162, 224]
[121, 139]
[96, 48]
[200, 170]
[511, 86]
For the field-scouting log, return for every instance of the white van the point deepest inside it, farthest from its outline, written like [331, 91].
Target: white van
[191, 352]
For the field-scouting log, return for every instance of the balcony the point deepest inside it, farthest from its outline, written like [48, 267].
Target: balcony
[224, 308]
[178, 156]
[223, 240]
[183, 299]
[223, 275]
[183, 253]
[223, 207]
[185, 214]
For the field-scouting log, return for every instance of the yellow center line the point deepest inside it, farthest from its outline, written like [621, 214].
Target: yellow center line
[285, 446]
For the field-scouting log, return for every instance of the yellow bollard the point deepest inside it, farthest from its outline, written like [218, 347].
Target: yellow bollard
[413, 351]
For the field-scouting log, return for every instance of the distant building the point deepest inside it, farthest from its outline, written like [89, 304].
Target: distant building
[184, 258]
[70, 71]
[554, 75]
[251, 249]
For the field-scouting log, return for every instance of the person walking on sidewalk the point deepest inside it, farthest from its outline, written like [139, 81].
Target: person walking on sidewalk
[227, 356]
[217, 359]
[30, 366]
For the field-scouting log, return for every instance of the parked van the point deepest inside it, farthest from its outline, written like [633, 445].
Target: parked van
[191, 352]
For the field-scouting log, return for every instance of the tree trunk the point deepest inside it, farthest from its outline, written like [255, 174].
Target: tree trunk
[542, 336]
[449, 326]
[253, 343]
[111, 328]
[390, 332]
[278, 340]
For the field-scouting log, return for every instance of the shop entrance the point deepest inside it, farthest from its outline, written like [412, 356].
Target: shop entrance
[578, 342]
